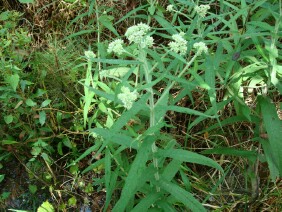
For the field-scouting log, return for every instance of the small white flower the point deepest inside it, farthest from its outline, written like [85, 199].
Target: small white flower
[89, 55]
[169, 8]
[138, 34]
[127, 97]
[148, 41]
[201, 47]
[179, 45]
[116, 47]
[202, 10]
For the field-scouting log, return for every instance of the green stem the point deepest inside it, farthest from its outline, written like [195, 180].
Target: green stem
[148, 78]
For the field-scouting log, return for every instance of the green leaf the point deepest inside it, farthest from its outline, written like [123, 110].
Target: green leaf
[36, 150]
[74, 169]
[210, 111]
[243, 109]
[152, 9]
[181, 195]
[13, 80]
[165, 24]
[108, 171]
[30, 103]
[126, 116]
[132, 180]
[107, 21]
[46, 207]
[4, 16]
[67, 142]
[190, 157]
[111, 188]
[273, 126]
[95, 166]
[5, 195]
[2, 176]
[39, 92]
[42, 117]
[8, 119]
[188, 111]
[115, 72]
[130, 14]
[161, 107]
[46, 157]
[26, 1]
[146, 202]
[116, 61]
[89, 151]
[8, 142]
[82, 32]
[32, 188]
[60, 148]
[252, 155]
[72, 201]
[210, 80]
[171, 170]
[115, 137]
[45, 103]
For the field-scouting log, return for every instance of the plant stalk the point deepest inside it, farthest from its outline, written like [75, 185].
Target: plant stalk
[148, 79]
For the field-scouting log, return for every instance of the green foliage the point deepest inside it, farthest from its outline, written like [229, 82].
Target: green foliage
[46, 207]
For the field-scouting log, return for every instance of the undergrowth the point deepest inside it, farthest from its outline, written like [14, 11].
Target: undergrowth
[140, 105]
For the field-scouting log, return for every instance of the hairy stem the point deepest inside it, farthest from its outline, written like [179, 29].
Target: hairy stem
[148, 78]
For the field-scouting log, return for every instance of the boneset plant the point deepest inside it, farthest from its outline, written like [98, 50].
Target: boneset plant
[157, 158]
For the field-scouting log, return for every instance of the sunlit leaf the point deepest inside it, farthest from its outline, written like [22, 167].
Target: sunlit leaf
[45, 103]
[72, 201]
[8, 119]
[42, 117]
[13, 80]
[46, 207]
[7, 142]
[30, 103]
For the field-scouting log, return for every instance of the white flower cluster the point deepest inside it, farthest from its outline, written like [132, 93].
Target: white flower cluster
[89, 55]
[138, 34]
[202, 10]
[169, 8]
[179, 45]
[201, 47]
[116, 47]
[127, 97]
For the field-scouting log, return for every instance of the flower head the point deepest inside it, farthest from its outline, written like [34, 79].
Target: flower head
[116, 47]
[138, 34]
[179, 45]
[201, 47]
[202, 10]
[89, 55]
[169, 8]
[127, 97]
